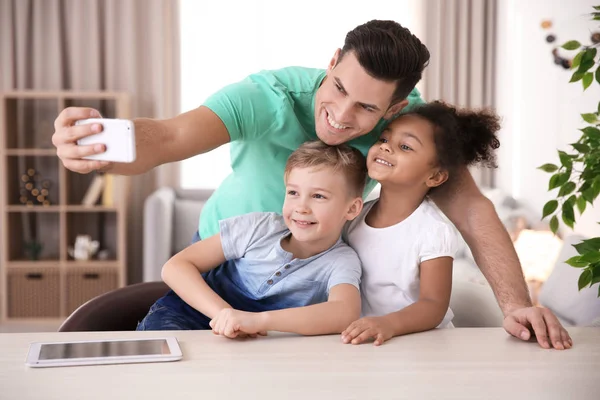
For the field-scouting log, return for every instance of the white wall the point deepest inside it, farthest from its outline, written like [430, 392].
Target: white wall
[540, 109]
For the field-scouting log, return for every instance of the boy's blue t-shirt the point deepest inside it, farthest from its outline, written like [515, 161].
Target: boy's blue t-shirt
[268, 115]
[261, 276]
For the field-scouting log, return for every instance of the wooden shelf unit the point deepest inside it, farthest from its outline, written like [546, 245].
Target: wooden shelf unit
[55, 284]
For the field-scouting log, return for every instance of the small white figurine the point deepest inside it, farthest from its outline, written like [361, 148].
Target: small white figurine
[84, 248]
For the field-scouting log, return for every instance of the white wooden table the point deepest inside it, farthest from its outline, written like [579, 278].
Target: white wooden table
[447, 363]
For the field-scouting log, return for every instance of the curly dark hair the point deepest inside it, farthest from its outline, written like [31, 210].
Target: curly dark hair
[463, 137]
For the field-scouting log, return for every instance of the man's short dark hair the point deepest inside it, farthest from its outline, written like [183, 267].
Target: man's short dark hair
[389, 52]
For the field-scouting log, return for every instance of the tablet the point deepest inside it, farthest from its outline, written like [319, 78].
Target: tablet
[93, 352]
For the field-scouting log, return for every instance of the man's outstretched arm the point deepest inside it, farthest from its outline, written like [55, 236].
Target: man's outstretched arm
[157, 141]
[475, 217]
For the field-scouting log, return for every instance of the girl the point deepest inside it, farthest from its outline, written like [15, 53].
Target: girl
[406, 247]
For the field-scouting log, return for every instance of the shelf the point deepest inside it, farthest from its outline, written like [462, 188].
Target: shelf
[74, 208]
[33, 264]
[42, 212]
[100, 226]
[31, 122]
[106, 107]
[33, 292]
[33, 229]
[31, 179]
[63, 94]
[30, 152]
[74, 264]
[36, 208]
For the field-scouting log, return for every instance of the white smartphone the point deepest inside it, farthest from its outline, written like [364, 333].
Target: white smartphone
[94, 352]
[117, 134]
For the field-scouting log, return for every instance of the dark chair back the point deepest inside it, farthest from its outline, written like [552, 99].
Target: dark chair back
[118, 310]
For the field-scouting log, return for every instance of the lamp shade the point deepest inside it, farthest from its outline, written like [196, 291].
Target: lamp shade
[537, 251]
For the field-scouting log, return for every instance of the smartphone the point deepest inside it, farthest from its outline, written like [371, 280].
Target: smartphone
[95, 352]
[118, 135]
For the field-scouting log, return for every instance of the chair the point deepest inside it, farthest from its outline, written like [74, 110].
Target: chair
[117, 310]
[170, 221]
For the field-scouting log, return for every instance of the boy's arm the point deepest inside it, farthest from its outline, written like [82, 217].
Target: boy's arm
[476, 219]
[183, 274]
[333, 316]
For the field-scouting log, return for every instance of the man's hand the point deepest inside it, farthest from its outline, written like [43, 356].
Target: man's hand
[544, 324]
[363, 329]
[237, 324]
[65, 137]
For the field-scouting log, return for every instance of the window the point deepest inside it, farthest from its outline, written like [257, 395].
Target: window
[223, 42]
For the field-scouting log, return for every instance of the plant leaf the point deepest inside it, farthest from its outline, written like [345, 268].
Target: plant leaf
[576, 262]
[581, 204]
[588, 195]
[589, 54]
[589, 118]
[585, 66]
[558, 180]
[576, 76]
[590, 257]
[588, 245]
[587, 80]
[549, 208]
[598, 82]
[566, 189]
[554, 224]
[598, 74]
[568, 216]
[584, 279]
[571, 45]
[580, 147]
[595, 273]
[577, 60]
[548, 167]
[591, 132]
[565, 160]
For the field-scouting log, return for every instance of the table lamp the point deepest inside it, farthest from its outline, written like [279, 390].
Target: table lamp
[537, 252]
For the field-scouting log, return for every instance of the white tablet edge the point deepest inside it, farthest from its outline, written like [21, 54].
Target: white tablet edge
[33, 360]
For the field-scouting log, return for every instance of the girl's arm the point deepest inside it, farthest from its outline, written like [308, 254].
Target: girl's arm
[182, 274]
[434, 299]
[426, 313]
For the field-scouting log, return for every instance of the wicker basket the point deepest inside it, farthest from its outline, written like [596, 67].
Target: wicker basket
[33, 293]
[84, 284]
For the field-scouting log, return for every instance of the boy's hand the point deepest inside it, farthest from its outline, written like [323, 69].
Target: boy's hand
[360, 330]
[237, 324]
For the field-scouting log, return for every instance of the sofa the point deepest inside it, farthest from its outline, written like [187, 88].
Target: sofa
[171, 219]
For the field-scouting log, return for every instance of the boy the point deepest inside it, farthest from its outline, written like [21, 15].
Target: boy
[266, 271]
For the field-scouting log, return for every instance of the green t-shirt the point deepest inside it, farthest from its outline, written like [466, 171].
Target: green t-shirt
[268, 116]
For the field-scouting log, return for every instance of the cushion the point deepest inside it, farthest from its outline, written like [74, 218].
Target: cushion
[186, 214]
[560, 292]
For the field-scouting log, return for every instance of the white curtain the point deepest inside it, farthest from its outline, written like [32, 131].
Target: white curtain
[115, 45]
[461, 37]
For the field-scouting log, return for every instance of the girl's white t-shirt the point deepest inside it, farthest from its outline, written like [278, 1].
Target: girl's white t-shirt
[391, 256]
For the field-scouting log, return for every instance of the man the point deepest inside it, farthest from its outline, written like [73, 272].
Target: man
[269, 114]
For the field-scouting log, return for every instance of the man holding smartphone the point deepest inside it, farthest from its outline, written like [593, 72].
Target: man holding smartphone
[268, 115]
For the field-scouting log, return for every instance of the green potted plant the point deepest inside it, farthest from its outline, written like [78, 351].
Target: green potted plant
[577, 176]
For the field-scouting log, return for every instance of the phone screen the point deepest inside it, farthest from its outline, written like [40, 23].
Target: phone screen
[57, 351]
